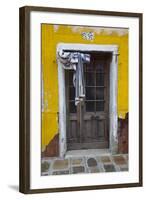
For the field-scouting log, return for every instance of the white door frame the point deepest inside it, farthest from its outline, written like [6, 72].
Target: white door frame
[113, 118]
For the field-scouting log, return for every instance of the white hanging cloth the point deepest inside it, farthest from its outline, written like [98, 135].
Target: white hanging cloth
[75, 61]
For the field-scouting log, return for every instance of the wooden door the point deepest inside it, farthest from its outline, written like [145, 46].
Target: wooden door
[87, 123]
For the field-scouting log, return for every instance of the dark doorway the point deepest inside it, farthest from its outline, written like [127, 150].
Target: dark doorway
[88, 122]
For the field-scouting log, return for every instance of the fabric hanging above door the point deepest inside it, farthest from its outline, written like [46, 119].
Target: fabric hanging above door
[75, 61]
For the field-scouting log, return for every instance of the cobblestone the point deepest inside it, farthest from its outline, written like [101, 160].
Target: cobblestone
[91, 162]
[78, 169]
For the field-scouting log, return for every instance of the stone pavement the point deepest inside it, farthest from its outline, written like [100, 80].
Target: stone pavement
[77, 165]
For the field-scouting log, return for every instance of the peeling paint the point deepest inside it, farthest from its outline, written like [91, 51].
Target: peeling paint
[122, 115]
[56, 27]
[100, 30]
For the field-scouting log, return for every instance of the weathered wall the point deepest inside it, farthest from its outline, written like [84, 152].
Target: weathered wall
[54, 34]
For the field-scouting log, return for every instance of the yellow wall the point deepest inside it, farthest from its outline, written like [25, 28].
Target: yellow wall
[54, 34]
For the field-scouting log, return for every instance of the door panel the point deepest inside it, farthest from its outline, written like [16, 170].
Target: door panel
[87, 123]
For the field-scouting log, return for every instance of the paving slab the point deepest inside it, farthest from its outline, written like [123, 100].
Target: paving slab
[60, 164]
[105, 159]
[119, 160]
[77, 161]
[123, 169]
[45, 166]
[60, 172]
[109, 168]
[93, 170]
[78, 169]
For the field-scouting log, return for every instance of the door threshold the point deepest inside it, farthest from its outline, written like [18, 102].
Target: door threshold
[87, 152]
